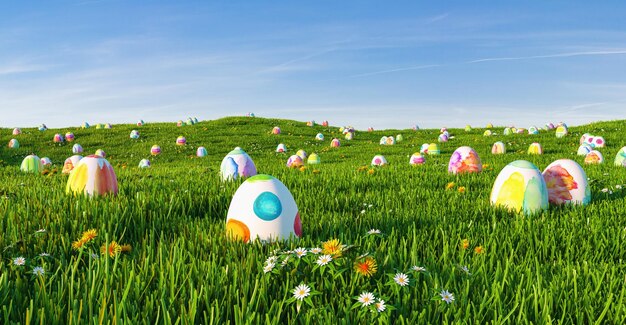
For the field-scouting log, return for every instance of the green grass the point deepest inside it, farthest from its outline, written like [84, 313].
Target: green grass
[564, 265]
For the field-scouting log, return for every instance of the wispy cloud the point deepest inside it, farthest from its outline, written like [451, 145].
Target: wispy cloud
[418, 67]
[18, 67]
[549, 56]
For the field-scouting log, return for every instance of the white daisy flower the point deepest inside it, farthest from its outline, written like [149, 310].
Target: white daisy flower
[300, 251]
[315, 250]
[271, 260]
[465, 269]
[42, 230]
[44, 254]
[323, 260]
[19, 261]
[380, 305]
[302, 291]
[94, 256]
[605, 190]
[401, 279]
[366, 298]
[285, 261]
[446, 296]
[373, 231]
[269, 267]
[619, 187]
[39, 271]
[362, 211]
[418, 268]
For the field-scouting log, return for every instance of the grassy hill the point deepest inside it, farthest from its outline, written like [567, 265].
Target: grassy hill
[565, 264]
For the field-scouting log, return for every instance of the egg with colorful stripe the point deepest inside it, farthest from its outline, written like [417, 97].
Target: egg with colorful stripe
[442, 138]
[561, 131]
[281, 147]
[533, 130]
[487, 133]
[14, 144]
[520, 187]
[276, 130]
[201, 152]
[100, 153]
[134, 134]
[140, 123]
[379, 160]
[584, 149]
[77, 148]
[85, 125]
[70, 163]
[464, 160]
[310, 123]
[417, 159]
[325, 123]
[349, 136]
[594, 158]
[319, 137]
[507, 131]
[46, 162]
[181, 141]
[424, 148]
[42, 127]
[237, 163]
[263, 208]
[383, 140]
[294, 161]
[620, 158]
[144, 163]
[433, 149]
[595, 141]
[468, 128]
[31, 164]
[108, 126]
[335, 143]
[58, 138]
[99, 126]
[535, 149]
[302, 154]
[399, 138]
[93, 176]
[17, 131]
[69, 136]
[313, 159]
[567, 183]
[390, 141]
[498, 148]
[155, 150]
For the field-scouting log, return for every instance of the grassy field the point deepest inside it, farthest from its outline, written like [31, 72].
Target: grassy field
[565, 265]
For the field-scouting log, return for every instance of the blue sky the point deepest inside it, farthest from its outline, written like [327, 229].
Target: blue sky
[364, 63]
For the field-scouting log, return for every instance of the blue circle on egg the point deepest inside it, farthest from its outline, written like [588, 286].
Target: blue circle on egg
[267, 206]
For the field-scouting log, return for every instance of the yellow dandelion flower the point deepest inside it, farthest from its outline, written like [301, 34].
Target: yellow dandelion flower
[303, 168]
[461, 189]
[126, 248]
[113, 249]
[78, 244]
[371, 172]
[316, 171]
[464, 244]
[332, 247]
[89, 235]
[479, 250]
[365, 267]
[450, 185]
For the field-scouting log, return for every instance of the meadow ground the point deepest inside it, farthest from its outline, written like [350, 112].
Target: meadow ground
[563, 265]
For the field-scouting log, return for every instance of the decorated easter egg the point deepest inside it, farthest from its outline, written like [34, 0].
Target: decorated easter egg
[390, 141]
[108, 126]
[349, 136]
[561, 131]
[584, 149]
[85, 125]
[325, 123]
[520, 131]
[31, 164]
[442, 130]
[489, 125]
[92, 176]
[335, 143]
[417, 159]
[42, 127]
[46, 162]
[69, 136]
[244, 165]
[250, 114]
[468, 128]
[498, 148]
[99, 126]
[562, 124]
[533, 130]
[549, 126]
[319, 137]
[201, 152]
[180, 123]
[464, 160]
[399, 137]
[415, 127]
[155, 150]
[101, 153]
[281, 147]
[14, 144]
[58, 138]
[520, 187]
[294, 161]
[379, 160]
[263, 208]
[383, 140]
[446, 133]
[134, 134]
[347, 129]
[583, 138]
[313, 159]
[487, 133]
[77, 148]
[17, 131]
[276, 130]
[190, 121]
[594, 157]
[140, 123]
[144, 163]
[535, 149]
[181, 141]
[370, 129]
[70, 162]
[442, 138]
[513, 130]
[620, 158]
[433, 149]
[507, 131]
[229, 169]
[424, 148]
[302, 154]
[195, 119]
[595, 141]
[310, 123]
[567, 183]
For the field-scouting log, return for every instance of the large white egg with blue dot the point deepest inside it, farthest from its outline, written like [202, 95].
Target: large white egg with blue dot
[263, 208]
